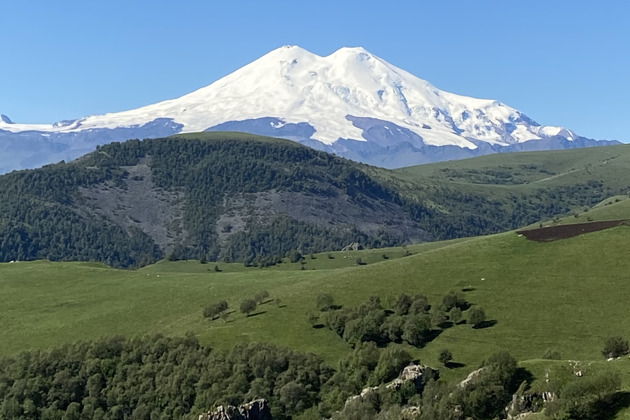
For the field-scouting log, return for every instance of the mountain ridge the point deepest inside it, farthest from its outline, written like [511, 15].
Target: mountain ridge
[351, 103]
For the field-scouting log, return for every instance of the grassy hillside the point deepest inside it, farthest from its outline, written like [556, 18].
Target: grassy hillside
[561, 294]
[518, 189]
[551, 168]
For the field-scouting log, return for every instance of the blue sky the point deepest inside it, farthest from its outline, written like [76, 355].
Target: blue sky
[560, 62]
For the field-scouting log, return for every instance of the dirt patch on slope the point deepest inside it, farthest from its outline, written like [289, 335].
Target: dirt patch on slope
[552, 233]
[141, 204]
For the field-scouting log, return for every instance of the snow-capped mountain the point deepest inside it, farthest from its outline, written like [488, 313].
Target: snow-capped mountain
[351, 103]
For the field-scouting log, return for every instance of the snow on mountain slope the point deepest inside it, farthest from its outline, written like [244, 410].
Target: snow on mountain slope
[324, 102]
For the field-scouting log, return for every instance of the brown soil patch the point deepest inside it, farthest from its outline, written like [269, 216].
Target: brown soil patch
[551, 233]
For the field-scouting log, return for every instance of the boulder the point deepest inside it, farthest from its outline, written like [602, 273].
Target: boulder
[254, 410]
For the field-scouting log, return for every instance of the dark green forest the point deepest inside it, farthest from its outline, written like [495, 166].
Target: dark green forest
[162, 378]
[157, 377]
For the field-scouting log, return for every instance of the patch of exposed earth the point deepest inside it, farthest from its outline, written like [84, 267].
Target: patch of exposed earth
[552, 233]
[141, 204]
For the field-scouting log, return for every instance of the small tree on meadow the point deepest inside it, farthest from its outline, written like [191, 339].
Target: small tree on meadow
[445, 356]
[476, 316]
[403, 303]
[248, 306]
[325, 301]
[438, 317]
[261, 296]
[215, 309]
[455, 315]
[615, 347]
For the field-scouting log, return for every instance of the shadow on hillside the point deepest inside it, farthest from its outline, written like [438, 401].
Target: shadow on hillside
[318, 326]
[446, 324]
[486, 324]
[608, 409]
[454, 365]
[256, 313]
[521, 375]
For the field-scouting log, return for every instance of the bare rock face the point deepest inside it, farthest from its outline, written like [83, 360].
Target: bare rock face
[419, 375]
[471, 378]
[255, 410]
[354, 246]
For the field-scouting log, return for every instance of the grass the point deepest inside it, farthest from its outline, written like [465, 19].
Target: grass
[562, 294]
[566, 295]
[548, 168]
[502, 176]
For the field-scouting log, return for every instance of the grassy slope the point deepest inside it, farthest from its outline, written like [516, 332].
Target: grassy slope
[531, 172]
[550, 168]
[562, 294]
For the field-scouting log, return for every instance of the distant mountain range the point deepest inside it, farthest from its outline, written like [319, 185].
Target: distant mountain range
[350, 103]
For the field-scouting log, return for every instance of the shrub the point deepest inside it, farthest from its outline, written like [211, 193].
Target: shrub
[552, 354]
[615, 347]
[455, 315]
[476, 316]
[445, 356]
[261, 296]
[248, 306]
[215, 309]
[325, 302]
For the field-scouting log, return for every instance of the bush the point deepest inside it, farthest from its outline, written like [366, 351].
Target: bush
[615, 347]
[390, 365]
[416, 329]
[476, 316]
[261, 296]
[215, 309]
[325, 302]
[552, 354]
[455, 315]
[403, 304]
[248, 306]
[445, 356]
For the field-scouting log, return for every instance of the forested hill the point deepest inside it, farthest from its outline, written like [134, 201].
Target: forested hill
[245, 198]
[211, 196]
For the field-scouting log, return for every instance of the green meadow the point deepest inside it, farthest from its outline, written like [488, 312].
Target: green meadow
[567, 295]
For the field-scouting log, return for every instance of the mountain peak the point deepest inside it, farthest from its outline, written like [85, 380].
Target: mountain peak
[352, 51]
[5, 119]
[350, 102]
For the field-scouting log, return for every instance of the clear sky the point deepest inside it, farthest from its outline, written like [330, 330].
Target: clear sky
[560, 62]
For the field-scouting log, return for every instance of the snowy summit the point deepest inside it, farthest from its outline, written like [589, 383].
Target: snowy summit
[351, 103]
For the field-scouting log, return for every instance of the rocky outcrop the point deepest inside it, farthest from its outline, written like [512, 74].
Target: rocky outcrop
[419, 375]
[354, 246]
[472, 377]
[255, 410]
